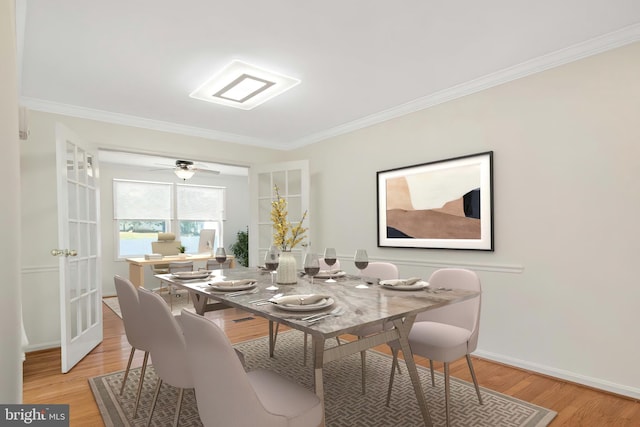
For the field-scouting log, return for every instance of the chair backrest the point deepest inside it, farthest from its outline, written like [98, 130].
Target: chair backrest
[166, 341]
[465, 314]
[166, 244]
[180, 266]
[134, 325]
[325, 266]
[224, 394]
[381, 270]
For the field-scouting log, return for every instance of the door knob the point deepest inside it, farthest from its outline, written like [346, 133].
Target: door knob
[65, 252]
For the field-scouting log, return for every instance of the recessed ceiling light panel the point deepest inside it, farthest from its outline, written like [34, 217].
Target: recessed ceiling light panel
[244, 86]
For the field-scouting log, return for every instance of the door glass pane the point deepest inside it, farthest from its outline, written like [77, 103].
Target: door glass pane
[73, 318]
[264, 210]
[91, 178]
[295, 182]
[72, 197]
[82, 167]
[73, 236]
[92, 199]
[93, 240]
[71, 162]
[280, 181]
[93, 274]
[93, 309]
[84, 314]
[264, 185]
[294, 206]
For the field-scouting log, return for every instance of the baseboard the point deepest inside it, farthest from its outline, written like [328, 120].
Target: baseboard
[596, 383]
[42, 346]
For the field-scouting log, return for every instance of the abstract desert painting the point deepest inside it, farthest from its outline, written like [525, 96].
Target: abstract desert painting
[439, 204]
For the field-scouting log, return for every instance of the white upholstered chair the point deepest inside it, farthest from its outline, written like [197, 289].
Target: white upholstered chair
[167, 347]
[379, 271]
[450, 332]
[134, 328]
[228, 396]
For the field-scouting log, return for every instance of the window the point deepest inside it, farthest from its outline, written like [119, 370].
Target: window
[143, 209]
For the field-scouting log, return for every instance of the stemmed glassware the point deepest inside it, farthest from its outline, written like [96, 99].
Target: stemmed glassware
[330, 259]
[221, 257]
[271, 261]
[361, 259]
[311, 265]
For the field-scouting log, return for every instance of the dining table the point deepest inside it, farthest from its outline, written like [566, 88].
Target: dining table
[361, 302]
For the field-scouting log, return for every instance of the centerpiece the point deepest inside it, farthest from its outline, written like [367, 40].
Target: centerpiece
[286, 236]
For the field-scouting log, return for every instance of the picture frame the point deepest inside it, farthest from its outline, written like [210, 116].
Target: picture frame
[445, 204]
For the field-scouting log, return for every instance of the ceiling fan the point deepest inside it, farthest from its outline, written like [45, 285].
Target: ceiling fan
[185, 169]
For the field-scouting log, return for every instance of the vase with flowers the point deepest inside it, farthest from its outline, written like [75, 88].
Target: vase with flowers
[286, 236]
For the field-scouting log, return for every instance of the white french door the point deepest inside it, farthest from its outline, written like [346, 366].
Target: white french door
[292, 180]
[78, 248]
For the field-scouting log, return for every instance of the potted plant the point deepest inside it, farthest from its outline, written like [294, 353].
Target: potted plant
[181, 250]
[240, 248]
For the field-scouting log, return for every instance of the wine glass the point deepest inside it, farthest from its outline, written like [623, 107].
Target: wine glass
[221, 257]
[271, 262]
[330, 259]
[361, 260]
[311, 265]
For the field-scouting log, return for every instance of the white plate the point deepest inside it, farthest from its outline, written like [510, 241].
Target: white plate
[215, 287]
[323, 303]
[415, 287]
[190, 275]
[325, 275]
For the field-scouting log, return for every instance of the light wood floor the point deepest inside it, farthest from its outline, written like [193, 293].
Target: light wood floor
[576, 405]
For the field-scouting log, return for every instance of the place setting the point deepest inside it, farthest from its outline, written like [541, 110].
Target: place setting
[410, 284]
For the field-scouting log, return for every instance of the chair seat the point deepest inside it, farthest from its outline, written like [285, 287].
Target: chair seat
[280, 396]
[440, 341]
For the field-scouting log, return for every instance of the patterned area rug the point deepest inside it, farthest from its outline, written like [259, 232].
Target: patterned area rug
[344, 403]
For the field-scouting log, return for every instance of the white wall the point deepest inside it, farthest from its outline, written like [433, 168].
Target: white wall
[560, 291]
[39, 205]
[10, 324]
[237, 213]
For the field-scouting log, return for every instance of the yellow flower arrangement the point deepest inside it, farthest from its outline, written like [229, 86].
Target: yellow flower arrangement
[282, 227]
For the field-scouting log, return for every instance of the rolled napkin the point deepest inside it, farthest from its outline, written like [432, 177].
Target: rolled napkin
[400, 282]
[231, 283]
[299, 299]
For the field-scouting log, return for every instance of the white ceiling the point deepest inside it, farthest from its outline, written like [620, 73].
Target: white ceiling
[360, 61]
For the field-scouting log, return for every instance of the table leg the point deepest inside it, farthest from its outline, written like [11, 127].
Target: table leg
[136, 274]
[199, 302]
[318, 362]
[271, 338]
[403, 328]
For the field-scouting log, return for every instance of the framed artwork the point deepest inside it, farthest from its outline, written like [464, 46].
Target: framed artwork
[447, 204]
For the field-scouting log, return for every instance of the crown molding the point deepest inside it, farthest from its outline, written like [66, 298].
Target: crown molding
[624, 36]
[140, 122]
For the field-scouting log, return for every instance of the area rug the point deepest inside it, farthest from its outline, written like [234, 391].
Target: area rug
[344, 403]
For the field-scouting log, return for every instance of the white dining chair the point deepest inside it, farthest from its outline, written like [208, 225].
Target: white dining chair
[228, 396]
[380, 271]
[167, 347]
[134, 328]
[447, 333]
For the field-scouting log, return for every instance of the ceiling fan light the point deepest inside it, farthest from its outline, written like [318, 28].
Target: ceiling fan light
[183, 173]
